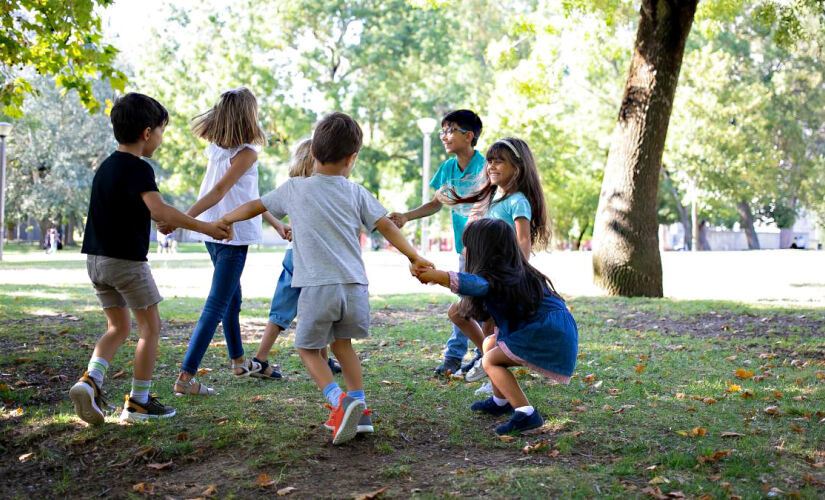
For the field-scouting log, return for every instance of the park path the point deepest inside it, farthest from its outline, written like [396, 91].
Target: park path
[770, 276]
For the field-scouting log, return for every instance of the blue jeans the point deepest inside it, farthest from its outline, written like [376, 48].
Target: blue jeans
[284, 305]
[458, 342]
[223, 305]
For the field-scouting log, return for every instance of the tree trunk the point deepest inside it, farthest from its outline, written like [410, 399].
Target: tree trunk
[747, 224]
[626, 258]
[581, 235]
[683, 214]
[68, 238]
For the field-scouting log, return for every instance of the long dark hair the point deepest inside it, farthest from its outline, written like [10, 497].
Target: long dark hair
[525, 180]
[493, 253]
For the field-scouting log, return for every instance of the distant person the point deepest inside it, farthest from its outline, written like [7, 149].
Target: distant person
[326, 212]
[162, 242]
[536, 329]
[231, 179]
[512, 192]
[284, 306]
[462, 173]
[124, 200]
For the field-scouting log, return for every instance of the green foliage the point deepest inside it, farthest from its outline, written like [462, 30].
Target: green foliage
[59, 38]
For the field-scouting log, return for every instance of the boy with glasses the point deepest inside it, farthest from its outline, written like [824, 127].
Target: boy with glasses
[459, 133]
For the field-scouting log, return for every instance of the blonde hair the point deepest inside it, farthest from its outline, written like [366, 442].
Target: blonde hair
[232, 122]
[302, 164]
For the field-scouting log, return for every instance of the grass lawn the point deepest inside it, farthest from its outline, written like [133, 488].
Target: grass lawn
[700, 398]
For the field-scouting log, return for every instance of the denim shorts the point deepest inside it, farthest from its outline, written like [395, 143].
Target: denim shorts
[122, 283]
[284, 306]
[330, 312]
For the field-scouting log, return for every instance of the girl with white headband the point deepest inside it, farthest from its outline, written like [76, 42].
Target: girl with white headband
[511, 192]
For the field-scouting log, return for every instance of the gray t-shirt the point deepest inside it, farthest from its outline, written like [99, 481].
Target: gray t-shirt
[326, 213]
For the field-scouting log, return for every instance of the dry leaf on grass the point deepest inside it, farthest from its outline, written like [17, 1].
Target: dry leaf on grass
[506, 439]
[372, 494]
[257, 399]
[534, 448]
[204, 371]
[734, 388]
[222, 420]
[25, 457]
[713, 458]
[119, 374]
[387, 382]
[145, 451]
[144, 489]
[158, 466]
[708, 401]
[286, 491]
[772, 410]
[659, 480]
[743, 374]
[797, 429]
[732, 435]
[640, 368]
[747, 394]
[590, 378]
[211, 490]
[264, 481]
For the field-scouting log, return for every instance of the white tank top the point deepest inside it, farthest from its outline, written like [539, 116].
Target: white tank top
[247, 232]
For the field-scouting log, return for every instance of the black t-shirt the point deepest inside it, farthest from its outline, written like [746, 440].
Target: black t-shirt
[119, 222]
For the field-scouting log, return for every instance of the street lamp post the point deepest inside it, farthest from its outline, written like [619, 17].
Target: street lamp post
[426, 126]
[5, 130]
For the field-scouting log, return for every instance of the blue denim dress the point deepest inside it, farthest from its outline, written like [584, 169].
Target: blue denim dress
[547, 341]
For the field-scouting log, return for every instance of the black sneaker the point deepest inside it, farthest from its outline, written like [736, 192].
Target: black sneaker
[448, 366]
[519, 423]
[490, 407]
[88, 400]
[136, 412]
[333, 365]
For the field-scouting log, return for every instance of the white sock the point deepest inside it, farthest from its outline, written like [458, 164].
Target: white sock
[140, 390]
[499, 401]
[528, 410]
[97, 369]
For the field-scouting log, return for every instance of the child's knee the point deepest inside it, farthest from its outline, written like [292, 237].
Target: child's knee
[454, 313]
[489, 343]
[487, 361]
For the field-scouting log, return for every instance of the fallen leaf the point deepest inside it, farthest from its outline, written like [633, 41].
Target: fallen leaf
[211, 490]
[286, 491]
[777, 394]
[675, 494]
[264, 481]
[797, 429]
[747, 394]
[183, 436]
[713, 458]
[698, 432]
[681, 395]
[204, 371]
[734, 388]
[24, 457]
[256, 399]
[731, 358]
[590, 378]
[743, 373]
[640, 368]
[222, 420]
[533, 448]
[613, 391]
[654, 492]
[119, 374]
[387, 382]
[145, 451]
[58, 378]
[22, 361]
[772, 410]
[506, 439]
[732, 435]
[158, 466]
[129, 363]
[820, 375]
[708, 401]
[659, 480]
[144, 489]
[372, 494]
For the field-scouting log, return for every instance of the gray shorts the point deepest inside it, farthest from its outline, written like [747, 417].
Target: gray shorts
[122, 283]
[329, 312]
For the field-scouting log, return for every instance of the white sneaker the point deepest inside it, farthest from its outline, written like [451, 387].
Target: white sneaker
[486, 388]
[475, 373]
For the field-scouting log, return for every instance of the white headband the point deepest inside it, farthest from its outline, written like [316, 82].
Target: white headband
[512, 148]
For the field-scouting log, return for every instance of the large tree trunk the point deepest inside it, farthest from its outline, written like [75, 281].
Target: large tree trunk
[747, 224]
[68, 238]
[626, 258]
[683, 213]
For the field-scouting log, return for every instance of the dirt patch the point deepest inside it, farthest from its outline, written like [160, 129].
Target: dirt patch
[723, 324]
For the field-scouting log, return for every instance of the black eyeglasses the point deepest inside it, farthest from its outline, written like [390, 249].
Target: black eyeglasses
[449, 131]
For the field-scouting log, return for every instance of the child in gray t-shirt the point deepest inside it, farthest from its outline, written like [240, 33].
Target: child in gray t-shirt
[326, 212]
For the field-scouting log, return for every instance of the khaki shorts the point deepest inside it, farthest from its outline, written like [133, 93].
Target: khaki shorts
[330, 312]
[122, 283]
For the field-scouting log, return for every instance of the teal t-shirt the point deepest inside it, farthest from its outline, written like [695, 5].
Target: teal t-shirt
[511, 208]
[464, 183]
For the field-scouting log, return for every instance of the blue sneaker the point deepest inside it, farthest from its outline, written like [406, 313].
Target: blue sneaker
[519, 423]
[490, 407]
[333, 366]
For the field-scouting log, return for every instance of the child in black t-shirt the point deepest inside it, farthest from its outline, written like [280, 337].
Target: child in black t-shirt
[123, 200]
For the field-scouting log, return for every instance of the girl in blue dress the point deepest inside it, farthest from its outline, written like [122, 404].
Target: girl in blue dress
[535, 328]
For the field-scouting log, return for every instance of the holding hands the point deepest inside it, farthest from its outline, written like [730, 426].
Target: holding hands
[398, 219]
[219, 230]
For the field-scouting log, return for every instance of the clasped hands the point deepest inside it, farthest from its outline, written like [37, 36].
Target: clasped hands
[423, 270]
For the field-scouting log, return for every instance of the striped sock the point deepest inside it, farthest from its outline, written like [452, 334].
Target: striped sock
[140, 390]
[332, 393]
[358, 395]
[97, 369]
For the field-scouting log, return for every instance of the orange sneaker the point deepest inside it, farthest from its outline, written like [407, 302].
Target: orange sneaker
[364, 423]
[345, 417]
